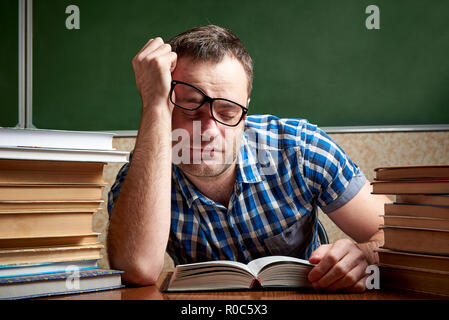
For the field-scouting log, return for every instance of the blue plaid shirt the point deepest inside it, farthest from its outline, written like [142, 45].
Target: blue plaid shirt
[285, 169]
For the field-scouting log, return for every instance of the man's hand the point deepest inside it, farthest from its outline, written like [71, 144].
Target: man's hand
[153, 65]
[340, 266]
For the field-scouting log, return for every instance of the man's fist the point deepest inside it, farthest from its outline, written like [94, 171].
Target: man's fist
[153, 65]
[340, 266]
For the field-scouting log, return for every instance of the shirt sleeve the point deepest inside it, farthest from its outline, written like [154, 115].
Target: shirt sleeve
[330, 174]
[115, 189]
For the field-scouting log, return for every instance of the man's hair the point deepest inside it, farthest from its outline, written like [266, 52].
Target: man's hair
[213, 43]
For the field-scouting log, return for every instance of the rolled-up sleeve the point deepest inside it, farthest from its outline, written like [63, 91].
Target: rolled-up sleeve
[330, 174]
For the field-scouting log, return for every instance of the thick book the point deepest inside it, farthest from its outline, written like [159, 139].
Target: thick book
[429, 199]
[417, 240]
[49, 241]
[411, 187]
[45, 222]
[416, 210]
[50, 172]
[415, 279]
[416, 222]
[54, 154]
[412, 172]
[22, 270]
[59, 283]
[42, 138]
[50, 254]
[54, 192]
[266, 272]
[50, 204]
[413, 260]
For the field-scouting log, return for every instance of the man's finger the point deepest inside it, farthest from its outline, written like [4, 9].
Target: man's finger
[332, 257]
[349, 279]
[338, 271]
[317, 257]
[162, 50]
[151, 45]
[319, 253]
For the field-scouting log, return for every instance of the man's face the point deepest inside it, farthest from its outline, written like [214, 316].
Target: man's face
[213, 146]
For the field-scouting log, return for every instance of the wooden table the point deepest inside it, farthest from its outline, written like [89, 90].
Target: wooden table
[153, 293]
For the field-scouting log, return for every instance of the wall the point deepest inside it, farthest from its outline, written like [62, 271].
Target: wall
[368, 150]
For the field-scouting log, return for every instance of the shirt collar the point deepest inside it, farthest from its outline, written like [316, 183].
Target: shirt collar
[188, 190]
[248, 167]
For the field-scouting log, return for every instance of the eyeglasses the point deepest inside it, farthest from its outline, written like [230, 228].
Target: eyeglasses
[190, 99]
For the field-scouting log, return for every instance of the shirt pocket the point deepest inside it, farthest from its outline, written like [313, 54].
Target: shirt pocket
[294, 240]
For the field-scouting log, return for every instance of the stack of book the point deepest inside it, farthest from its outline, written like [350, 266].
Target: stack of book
[415, 255]
[51, 185]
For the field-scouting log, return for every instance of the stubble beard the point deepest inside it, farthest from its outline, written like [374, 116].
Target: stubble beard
[216, 165]
[209, 170]
[212, 165]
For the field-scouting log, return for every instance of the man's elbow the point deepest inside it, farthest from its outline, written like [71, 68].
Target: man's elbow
[141, 274]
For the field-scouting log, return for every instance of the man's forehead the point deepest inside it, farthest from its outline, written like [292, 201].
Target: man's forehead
[227, 74]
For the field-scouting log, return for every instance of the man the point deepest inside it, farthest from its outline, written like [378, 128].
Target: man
[254, 188]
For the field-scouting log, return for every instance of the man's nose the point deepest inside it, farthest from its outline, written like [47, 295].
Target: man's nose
[209, 127]
[208, 121]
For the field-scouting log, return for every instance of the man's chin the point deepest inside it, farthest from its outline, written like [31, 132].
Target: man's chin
[203, 169]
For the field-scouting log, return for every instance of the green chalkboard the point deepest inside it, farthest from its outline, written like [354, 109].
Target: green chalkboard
[313, 59]
[9, 82]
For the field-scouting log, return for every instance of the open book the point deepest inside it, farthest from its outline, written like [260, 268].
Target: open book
[267, 272]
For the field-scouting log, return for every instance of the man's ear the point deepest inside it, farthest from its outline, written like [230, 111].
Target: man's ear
[249, 99]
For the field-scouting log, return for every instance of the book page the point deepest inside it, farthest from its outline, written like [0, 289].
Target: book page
[258, 264]
[212, 265]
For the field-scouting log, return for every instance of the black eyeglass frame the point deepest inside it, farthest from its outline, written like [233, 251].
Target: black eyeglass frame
[207, 99]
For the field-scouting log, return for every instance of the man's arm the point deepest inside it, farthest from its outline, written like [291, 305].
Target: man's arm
[140, 221]
[342, 265]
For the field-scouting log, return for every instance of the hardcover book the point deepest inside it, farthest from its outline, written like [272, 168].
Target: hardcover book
[56, 192]
[415, 279]
[50, 254]
[411, 187]
[416, 210]
[425, 199]
[412, 172]
[48, 241]
[50, 172]
[29, 269]
[393, 258]
[59, 283]
[49, 204]
[44, 138]
[35, 223]
[417, 240]
[265, 272]
[416, 222]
